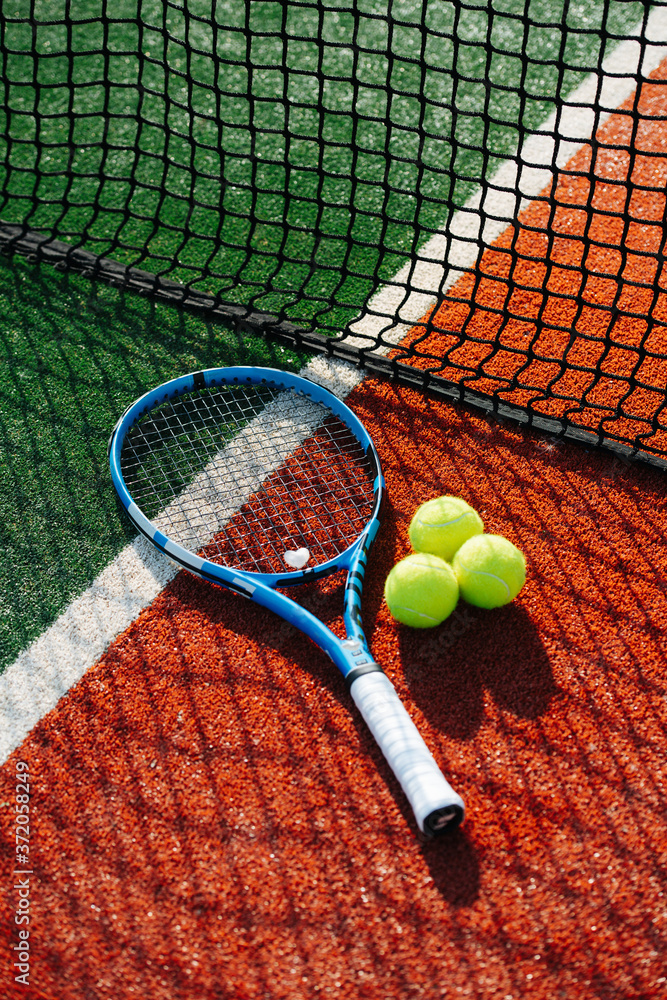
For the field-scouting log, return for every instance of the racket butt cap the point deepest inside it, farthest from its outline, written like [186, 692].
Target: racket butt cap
[443, 821]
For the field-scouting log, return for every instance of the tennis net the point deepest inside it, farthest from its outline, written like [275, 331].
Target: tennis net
[467, 197]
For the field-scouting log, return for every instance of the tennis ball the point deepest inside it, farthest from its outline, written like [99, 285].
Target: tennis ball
[421, 590]
[442, 525]
[490, 571]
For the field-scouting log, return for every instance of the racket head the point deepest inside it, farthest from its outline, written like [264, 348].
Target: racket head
[230, 470]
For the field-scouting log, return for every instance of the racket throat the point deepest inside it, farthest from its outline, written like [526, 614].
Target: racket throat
[357, 659]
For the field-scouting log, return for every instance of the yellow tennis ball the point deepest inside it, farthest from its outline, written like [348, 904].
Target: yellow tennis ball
[490, 571]
[421, 590]
[442, 525]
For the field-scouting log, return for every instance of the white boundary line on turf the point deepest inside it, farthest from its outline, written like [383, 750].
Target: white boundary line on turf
[34, 683]
[487, 213]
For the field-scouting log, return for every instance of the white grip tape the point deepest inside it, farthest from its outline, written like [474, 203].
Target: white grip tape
[422, 781]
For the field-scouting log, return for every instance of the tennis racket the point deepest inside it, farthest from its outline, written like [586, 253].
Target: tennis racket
[256, 479]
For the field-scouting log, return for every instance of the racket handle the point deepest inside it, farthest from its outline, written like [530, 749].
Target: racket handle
[436, 805]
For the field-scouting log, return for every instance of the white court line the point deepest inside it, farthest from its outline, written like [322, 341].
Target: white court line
[420, 284]
[34, 683]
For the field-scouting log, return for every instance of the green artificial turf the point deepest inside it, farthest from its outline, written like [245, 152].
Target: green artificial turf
[72, 357]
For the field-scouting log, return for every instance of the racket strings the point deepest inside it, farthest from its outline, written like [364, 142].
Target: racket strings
[173, 444]
[312, 502]
[245, 474]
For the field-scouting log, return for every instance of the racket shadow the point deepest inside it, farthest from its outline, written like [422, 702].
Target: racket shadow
[453, 865]
[452, 860]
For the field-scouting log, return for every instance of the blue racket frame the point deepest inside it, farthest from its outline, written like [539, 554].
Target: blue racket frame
[351, 655]
[437, 807]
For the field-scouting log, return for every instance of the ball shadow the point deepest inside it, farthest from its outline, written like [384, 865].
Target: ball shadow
[449, 668]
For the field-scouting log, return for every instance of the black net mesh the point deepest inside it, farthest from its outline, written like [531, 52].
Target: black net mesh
[468, 197]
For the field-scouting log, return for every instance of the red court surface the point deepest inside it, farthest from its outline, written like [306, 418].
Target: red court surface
[556, 314]
[210, 818]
